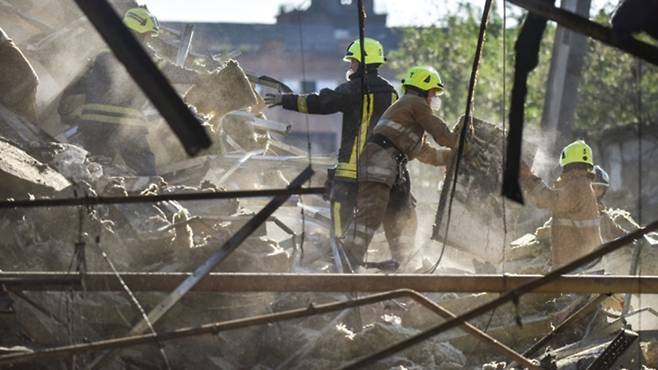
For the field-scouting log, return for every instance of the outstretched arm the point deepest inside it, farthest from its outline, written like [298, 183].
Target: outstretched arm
[543, 196]
[327, 101]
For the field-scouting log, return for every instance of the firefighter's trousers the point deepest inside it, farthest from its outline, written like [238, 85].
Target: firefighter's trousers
[376, 204]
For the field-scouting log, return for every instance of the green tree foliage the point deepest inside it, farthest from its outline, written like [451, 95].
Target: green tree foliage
[608, 93]
[616, 89]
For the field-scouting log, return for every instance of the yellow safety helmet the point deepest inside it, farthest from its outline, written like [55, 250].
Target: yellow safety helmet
[374, 51]
[140, 20]
[425, 78]
[576, 152]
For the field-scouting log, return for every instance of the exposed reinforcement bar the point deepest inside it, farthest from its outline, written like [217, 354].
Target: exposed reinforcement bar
[285, 282]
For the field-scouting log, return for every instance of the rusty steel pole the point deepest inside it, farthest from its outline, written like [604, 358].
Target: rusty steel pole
[318, 282]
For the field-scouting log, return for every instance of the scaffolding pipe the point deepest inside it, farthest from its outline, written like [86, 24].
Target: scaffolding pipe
[311, 310]
[290, 282]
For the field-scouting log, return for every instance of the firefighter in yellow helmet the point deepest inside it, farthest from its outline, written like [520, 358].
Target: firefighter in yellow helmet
[358, 120]
[384, 194]
[141, 21]
[575, 222]
[106, 105]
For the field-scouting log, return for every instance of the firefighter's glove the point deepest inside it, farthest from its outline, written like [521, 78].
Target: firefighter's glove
[273, 100]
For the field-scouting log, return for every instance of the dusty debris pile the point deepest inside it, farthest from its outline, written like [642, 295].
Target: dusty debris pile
[478, 204]
[171, 236]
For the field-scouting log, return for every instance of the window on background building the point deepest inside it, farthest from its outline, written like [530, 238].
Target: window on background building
[309, 87]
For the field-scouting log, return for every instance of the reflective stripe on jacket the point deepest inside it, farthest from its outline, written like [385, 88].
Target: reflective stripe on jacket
[358, 119]
[110, 93]
[406, 122]
[113, 114]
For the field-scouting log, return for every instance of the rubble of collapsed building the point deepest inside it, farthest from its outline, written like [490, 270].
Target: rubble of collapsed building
[42, 159]
[169, 236]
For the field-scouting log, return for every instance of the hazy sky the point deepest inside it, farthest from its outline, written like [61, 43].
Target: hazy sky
[400, 12]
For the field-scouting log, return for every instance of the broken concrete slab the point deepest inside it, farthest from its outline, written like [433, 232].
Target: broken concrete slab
[19, 130]
[225, 90]
[23, 174]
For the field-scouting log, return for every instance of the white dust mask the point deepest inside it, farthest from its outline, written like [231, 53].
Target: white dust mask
[435, 103]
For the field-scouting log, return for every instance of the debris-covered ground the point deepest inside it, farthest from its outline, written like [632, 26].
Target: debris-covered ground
[42, 158]
[171, 236]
